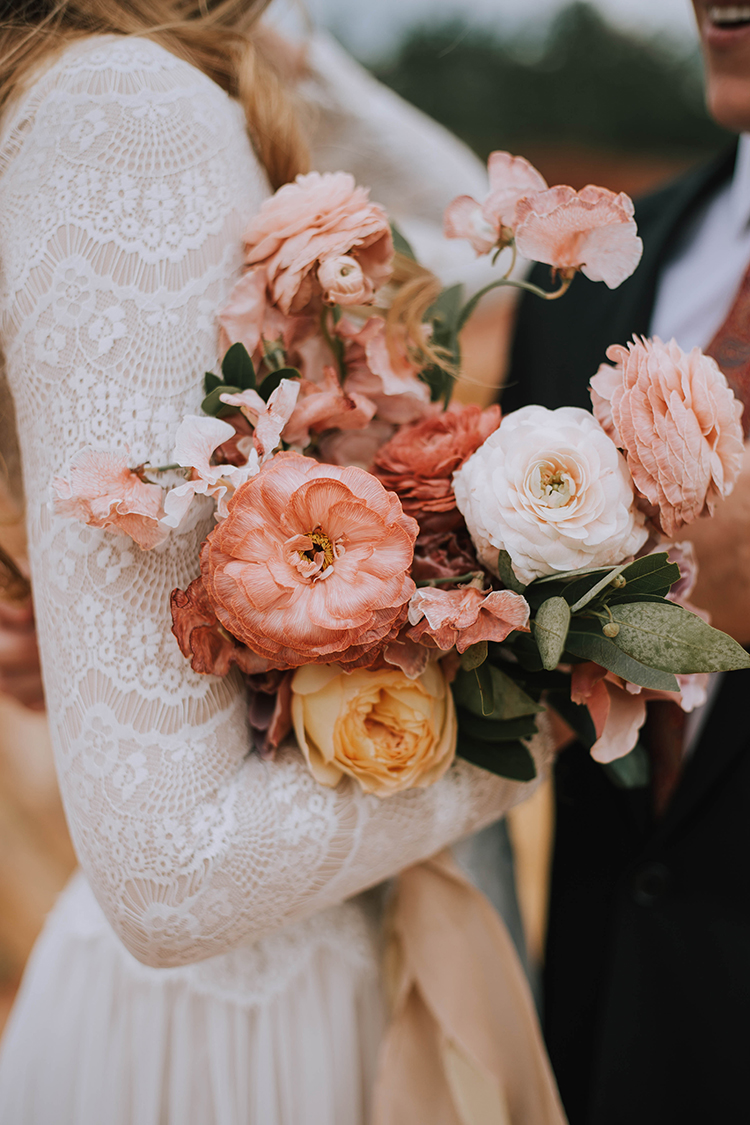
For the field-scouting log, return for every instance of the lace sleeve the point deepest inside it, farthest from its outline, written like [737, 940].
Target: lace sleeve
[126, 180]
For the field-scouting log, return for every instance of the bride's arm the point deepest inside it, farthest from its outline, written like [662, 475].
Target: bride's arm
[119, 231]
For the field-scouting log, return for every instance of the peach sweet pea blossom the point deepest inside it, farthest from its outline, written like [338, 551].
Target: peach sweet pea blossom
[485, 225]
[419, 461]
[464, 617]
[592, 230]
[268, 418]
[311, 224]
[311, 563]
[104, 492]
[196, 441]
[383, 730]
[678, 423]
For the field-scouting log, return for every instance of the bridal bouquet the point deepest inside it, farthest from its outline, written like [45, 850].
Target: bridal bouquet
[400, 579]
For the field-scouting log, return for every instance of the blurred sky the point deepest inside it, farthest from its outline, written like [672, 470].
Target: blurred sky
[372, 28]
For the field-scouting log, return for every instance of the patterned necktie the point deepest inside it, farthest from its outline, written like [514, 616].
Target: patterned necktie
[665, 726]
[730, 347]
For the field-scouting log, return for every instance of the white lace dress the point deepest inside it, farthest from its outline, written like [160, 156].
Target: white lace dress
[216, 963]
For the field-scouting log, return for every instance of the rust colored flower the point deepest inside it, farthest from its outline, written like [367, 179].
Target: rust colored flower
[311, 225]
[678, 423]
[419, 461]
[311, 564]
[463, 617]
[592, 230]
[210, 649]
[104, 492]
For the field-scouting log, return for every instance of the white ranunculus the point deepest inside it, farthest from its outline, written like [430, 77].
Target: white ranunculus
[551, 489]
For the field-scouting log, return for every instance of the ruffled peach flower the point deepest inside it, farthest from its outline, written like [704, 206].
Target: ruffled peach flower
[382, 370]
[483, 224]
[104, 492]
[311, 563]
[309, 224]
[464, 617]
[326, 407]
[419, 461]
[387, 732]
[677, 422]
[196, 441]
[592, 230]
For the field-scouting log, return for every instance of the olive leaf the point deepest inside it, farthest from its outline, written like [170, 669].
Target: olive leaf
[586, 640]
[550, 628]
[666, 636]
[507, 759]
[508, 700]
[507, 574]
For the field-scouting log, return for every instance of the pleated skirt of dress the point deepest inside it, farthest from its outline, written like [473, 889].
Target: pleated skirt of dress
[284, 1031]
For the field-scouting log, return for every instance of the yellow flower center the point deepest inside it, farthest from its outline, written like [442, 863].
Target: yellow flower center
[320, 544]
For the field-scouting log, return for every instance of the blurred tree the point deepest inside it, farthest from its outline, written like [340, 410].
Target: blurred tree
[586, 84]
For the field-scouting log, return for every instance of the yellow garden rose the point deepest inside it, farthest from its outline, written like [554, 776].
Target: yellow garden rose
[387, 732]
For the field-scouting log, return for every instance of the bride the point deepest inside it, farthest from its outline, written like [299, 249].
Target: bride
[217, 961]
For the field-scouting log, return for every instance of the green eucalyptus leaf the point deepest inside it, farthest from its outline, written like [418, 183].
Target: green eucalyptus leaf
[669, 637]
[633, 771]
[237, 368]
[272, 380]
[507, 574]
[586, 640]
[400, 244]
[507, 759]
[495, 730]
[550, 628]
[474, 656]
[213, 405]
[210, 381]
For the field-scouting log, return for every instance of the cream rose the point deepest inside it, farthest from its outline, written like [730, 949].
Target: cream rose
[552, 489]
[387, 732]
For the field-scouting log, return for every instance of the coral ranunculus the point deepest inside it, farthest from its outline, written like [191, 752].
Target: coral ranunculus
[104, 492]
[419, 461]
[311, 564]
[677, 421]
[387, 732]
[592, 230]
[314, 223]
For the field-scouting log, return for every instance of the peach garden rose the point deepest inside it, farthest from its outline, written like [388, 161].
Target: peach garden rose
[387, 732]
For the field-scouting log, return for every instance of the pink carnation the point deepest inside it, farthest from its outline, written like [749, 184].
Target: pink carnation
[677, 422]
[592, 230]
[465, 616]
[311, 564]
[511, 178]
[104, 492]
[306, 228]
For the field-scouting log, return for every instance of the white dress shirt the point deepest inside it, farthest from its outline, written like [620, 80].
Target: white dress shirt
[695, 293]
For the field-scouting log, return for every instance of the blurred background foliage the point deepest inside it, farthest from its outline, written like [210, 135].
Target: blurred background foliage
[576, 94]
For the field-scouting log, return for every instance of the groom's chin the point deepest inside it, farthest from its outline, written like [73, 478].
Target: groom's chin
[725, 41]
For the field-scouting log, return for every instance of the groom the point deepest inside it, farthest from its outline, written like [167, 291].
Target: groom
[648, 958]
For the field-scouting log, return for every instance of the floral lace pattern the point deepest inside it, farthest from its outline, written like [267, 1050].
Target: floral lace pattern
[126, 178]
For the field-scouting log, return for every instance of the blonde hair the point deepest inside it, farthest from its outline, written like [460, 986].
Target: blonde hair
[222, 38]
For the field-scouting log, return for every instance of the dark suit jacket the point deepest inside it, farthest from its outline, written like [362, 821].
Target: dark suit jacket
[647, 980]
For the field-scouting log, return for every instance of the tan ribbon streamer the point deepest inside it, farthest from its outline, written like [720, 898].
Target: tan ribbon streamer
[464, 1045]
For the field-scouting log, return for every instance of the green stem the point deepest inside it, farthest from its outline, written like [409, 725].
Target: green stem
[470, 305]
[452, 578]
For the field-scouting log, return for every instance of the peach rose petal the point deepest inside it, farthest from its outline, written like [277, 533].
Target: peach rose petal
[466, 616]
[592, 230]
[678, 424]
[104, 492]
